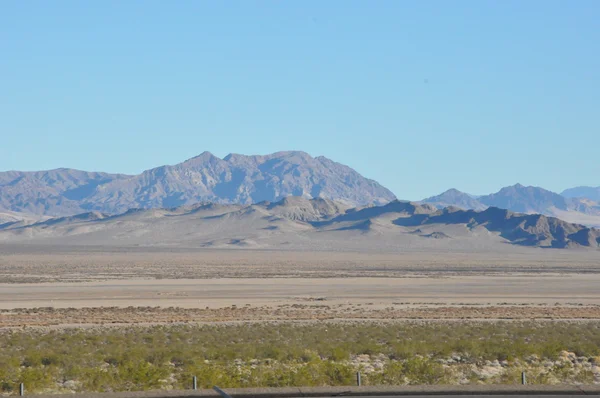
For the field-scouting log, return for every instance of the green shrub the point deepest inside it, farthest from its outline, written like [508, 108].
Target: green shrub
[254, 355]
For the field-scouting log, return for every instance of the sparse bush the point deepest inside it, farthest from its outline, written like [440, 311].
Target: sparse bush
[255, 355]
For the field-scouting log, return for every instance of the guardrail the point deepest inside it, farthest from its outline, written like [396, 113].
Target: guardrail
[224, 395]
[354, 391]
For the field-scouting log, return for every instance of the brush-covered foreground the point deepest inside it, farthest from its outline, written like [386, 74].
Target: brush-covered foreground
[309, 354]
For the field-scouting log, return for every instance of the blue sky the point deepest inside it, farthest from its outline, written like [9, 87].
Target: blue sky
[420, 95]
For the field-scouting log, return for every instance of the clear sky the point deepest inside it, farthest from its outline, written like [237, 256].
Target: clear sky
[419, 95]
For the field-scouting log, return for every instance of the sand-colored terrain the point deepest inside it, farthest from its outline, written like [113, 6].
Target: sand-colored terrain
[136, 285]
[380, 292]
[310, 312]
[524, 296]
[306, 225]
[19, 264]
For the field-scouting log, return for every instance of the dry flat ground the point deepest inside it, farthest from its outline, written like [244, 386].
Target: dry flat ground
[28, 263]
[376, 292]
[94, 286]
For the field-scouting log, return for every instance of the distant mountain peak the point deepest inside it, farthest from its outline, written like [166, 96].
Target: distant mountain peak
[453, 192]
[281, 154]
[456, 198]
[203, 178]
[203, 155]
[525, 199]
[517, 187]
[570, 206]
[591, 193]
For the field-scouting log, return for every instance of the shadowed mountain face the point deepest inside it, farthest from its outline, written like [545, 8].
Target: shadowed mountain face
[317, 224]
[519, 198]
[522, 229]
[234, 179]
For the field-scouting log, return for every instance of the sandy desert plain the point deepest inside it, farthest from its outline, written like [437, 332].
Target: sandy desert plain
[95, 285]
[93, 318]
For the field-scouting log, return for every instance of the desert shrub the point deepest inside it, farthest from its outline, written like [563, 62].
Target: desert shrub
[283, 354]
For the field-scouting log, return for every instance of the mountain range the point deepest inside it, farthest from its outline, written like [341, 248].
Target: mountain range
[297, 223]
[205, 178]
[592, 193]
[30, 197]
[529, 200]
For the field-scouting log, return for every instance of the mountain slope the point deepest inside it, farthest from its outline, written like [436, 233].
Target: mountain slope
[454, 197]
[53, 192]
[522, 229]
[298, 223]
[205, 178]
[9, 217]
[592, 193]
[525, 199]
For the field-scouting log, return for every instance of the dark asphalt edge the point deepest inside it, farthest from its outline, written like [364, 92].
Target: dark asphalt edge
[299, 392]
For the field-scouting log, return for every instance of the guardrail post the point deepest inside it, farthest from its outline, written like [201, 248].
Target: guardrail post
[358, 382]
[21, 389]
[194, 383]
[523, 378]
